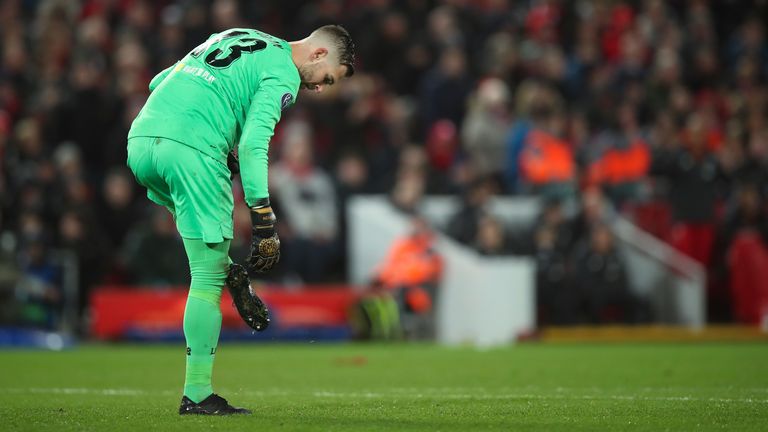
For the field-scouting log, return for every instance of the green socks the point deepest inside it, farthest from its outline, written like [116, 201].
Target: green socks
[208, 265]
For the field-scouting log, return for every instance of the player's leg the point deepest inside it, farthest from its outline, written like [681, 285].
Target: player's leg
[200, 189]
[198, 195]
[208, 264]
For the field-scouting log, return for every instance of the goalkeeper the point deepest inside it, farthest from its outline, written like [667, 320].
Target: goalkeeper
[228, 92]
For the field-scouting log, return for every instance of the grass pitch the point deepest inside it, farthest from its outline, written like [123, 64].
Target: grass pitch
[314, 387]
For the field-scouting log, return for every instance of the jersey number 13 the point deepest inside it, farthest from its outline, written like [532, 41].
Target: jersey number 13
[231, 40]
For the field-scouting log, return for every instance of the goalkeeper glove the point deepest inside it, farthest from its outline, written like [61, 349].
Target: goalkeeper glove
[265, 244]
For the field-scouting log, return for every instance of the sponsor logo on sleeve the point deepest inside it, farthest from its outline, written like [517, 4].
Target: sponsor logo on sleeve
[286, 101]
[196, 71]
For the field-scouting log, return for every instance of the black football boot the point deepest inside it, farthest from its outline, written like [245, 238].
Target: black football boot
[212, 405]
[250, 307]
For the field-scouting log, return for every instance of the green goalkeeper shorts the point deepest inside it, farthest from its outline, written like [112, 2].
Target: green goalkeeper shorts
[194, 187]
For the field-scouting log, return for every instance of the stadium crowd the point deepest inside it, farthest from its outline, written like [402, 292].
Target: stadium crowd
[657, 110]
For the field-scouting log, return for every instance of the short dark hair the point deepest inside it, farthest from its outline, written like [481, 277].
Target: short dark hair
[344, 45]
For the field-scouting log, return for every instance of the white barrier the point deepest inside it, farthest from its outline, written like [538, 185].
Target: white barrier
[485, 301]
[481, 301]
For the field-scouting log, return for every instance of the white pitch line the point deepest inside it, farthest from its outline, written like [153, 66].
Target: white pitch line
[560, 394]
[374, 395]
[78, 391]
[120, 391]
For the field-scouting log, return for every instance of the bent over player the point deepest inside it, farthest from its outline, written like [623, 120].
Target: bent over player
[229, 91]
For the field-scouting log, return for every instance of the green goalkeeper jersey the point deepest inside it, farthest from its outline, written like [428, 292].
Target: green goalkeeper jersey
[228, 91]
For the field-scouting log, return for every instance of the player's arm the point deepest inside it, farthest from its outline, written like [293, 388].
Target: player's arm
[160, 77]
[263, 115]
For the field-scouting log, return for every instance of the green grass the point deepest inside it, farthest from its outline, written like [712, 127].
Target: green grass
[652, 387]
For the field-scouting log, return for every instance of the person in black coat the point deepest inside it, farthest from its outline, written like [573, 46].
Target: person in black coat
[600, 278]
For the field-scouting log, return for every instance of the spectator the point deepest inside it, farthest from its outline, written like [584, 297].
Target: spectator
[154, 254]
[556, 300]
[352, 179]
[623, 160]
[442, 145]
[411, 271]
[408, 191]
[307, 201]
[86, 115]
[749, 216]
[491, 238]
[352, 176]
[39, 290]
[553, 218]
[389, 46]
[694, 177]
[601, 280]
[413, 162]
[84, 239]
[9, 277]
[594, 210]
[445, 88]
[749, 42]
[550, 241]
[753, 169]
[485, 127]
[117, 205]
[749, 213]
[528, 94]
[546, 162]
[463, 225]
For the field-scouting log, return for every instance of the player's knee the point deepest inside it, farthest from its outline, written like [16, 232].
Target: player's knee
[209, 279]
[208, 276]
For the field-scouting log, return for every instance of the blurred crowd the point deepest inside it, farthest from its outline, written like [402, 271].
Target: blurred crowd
[657, 110]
